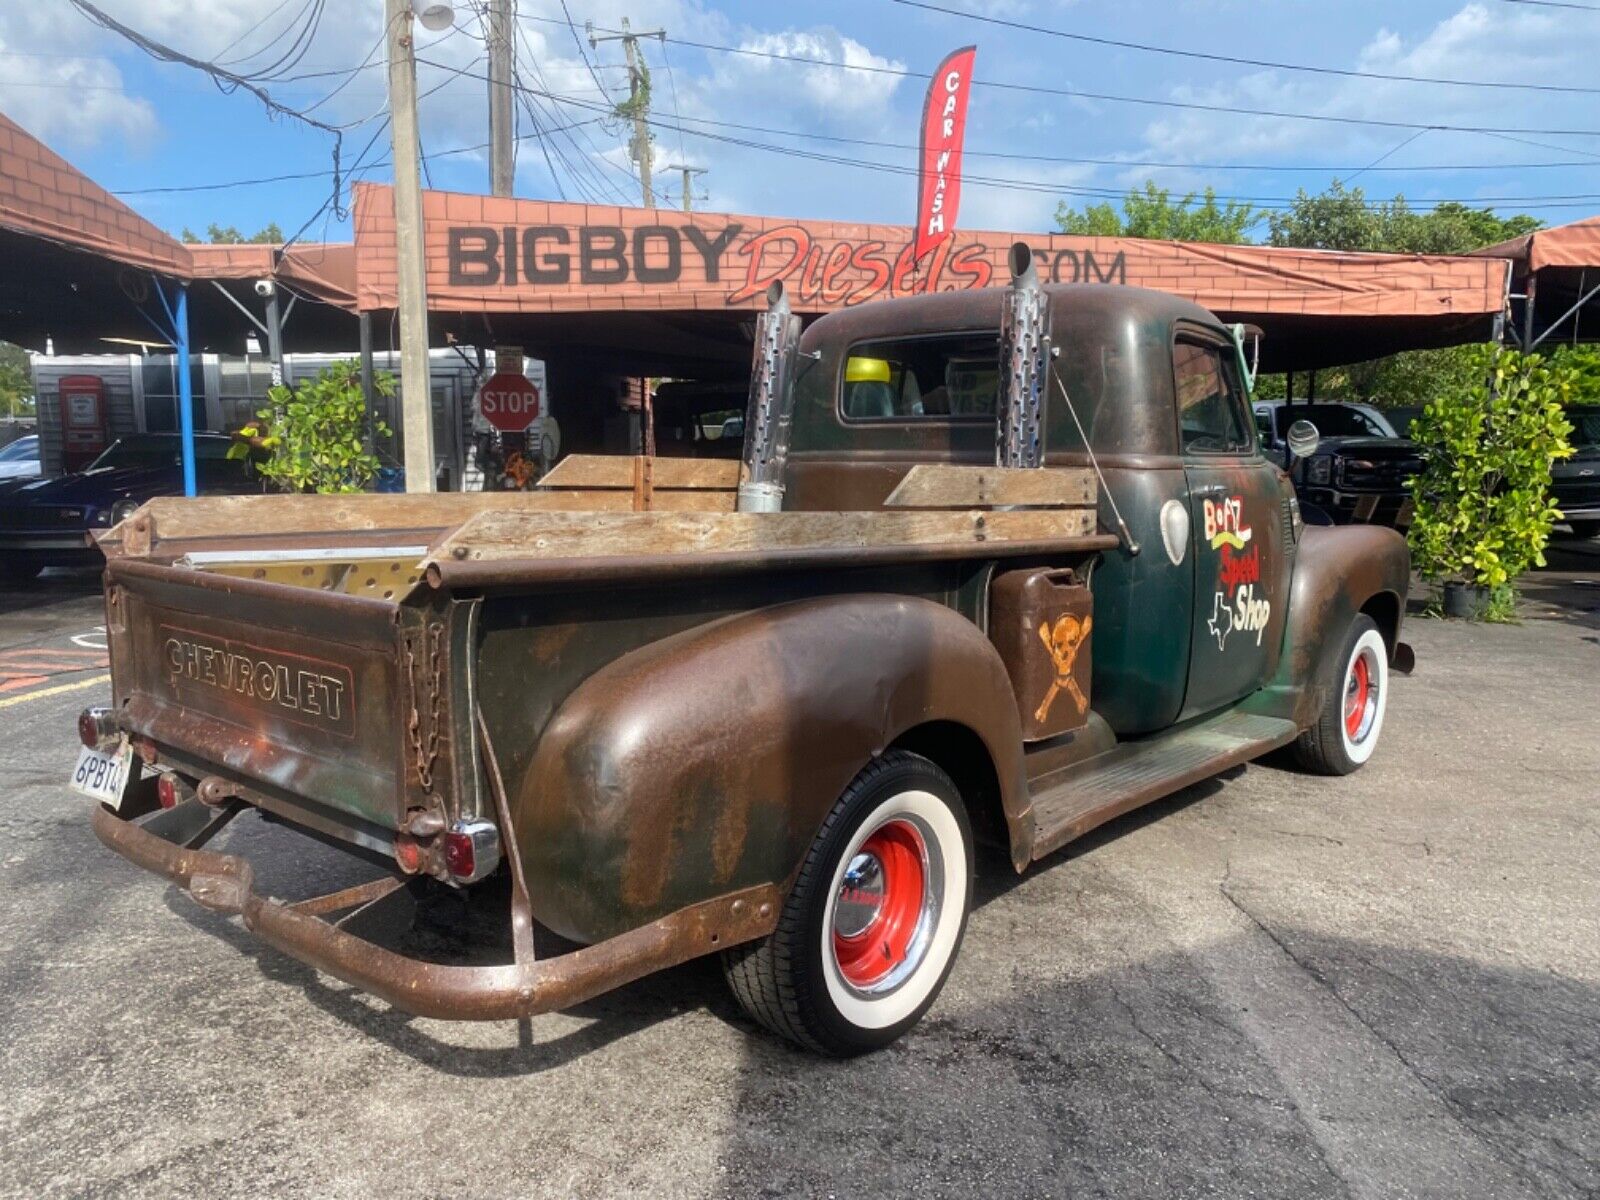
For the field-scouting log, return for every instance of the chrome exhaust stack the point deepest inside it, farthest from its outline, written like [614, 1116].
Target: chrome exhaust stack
[1024, 364]
[767, 423]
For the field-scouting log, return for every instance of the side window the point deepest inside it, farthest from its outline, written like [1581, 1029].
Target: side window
[943, 378]
[1210, 415]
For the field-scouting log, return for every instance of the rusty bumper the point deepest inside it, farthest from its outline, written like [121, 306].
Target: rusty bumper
[223, 883]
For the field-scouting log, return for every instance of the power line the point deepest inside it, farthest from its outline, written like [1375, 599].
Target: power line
[879, 144]
[294, 176]
[1112, 98]
[588, 157]
[1557, 4]
[1042, 185]
[1236, 60]
[270, 13]
[225, 79]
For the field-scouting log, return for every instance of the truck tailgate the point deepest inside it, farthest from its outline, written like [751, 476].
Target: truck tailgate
[297, 693]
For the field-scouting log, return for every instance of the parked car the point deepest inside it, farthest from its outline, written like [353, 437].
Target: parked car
[1361, 472]
[46, 522]
[1575, 481]
[773, 735]
[20, 460]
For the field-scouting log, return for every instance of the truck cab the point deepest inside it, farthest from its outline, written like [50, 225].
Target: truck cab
[1158, 386]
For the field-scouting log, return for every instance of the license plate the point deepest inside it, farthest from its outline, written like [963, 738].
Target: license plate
[102, 774]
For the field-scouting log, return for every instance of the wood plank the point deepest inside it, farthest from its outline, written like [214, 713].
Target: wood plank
[951, 485]
[616, 500]
[616, 471]
[506, 534]
[173, 519]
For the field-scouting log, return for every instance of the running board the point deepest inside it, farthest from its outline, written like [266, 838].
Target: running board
[1135, 773]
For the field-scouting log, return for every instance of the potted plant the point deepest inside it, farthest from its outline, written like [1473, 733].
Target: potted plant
[314, 437]
[1483, 507]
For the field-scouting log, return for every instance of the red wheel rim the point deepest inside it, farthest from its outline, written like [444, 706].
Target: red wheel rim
[1357, 696]
[879, 904]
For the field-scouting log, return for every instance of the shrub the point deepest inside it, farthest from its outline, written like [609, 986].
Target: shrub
[315, 436]
[1483, 509]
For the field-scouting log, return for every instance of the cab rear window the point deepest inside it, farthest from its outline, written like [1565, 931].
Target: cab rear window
[948, 378]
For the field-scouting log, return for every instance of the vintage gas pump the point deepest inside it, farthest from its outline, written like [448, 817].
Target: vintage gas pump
[84, 420]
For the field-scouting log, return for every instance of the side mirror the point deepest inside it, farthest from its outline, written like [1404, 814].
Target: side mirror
[1303, 440]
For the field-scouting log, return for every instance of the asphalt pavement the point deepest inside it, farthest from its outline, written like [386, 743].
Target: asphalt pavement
[1269, 985]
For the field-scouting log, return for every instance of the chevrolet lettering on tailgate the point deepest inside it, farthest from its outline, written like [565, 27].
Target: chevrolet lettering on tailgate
[306, 691]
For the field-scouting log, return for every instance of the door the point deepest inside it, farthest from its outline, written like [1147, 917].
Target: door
[1237, 529]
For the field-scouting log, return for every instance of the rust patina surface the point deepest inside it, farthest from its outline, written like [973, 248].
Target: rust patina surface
[657, 734]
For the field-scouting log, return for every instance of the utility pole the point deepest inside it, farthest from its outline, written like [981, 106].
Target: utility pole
[501, 46]
[688, 182]
[638, 97]
[416, 390]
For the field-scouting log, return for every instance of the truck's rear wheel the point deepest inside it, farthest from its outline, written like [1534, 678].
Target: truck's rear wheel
[1346, 731]
[871, 929]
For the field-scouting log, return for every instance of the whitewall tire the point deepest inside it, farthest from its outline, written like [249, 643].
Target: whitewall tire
[871, 928]
[1346, 732]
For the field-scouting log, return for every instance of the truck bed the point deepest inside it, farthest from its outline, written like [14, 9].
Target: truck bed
[316, 656]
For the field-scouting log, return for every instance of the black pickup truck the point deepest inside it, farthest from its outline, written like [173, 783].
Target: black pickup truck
[1361, 471]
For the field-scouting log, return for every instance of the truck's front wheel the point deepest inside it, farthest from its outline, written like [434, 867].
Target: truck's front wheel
[872, 926]
[1346, 732]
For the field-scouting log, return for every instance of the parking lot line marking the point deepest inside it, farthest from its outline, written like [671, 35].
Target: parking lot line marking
[8, 701]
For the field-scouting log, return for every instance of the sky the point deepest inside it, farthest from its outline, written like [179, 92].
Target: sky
[1076, 118]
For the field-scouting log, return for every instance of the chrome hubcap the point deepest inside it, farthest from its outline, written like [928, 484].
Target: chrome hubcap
[887, 904]
[860, 896]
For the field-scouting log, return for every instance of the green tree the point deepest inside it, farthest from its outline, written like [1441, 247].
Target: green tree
[1344, 219]
[314, 437]
[1483, 507]
[219, 235]
[16, 382]
[1152, 213]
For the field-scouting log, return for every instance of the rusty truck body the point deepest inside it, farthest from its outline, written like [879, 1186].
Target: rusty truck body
[997, 566]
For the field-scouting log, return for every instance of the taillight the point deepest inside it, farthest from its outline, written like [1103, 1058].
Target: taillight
[408, 854]
[96, 727]
[167, 791]
[460, 857]
[471, 850]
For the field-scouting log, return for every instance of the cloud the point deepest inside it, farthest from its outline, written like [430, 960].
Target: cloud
[76, 101]
[1476, 42]
[754, 82]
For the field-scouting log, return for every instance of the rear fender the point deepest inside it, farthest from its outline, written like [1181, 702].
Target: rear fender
[1339, 571]
[708, 760]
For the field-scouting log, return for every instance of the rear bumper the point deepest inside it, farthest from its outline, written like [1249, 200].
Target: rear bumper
[64, 548]
[224, 883]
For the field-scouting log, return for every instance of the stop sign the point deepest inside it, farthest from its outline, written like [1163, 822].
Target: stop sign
[509, 402]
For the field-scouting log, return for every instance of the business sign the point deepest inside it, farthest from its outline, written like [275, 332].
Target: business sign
[944, 134]
[509, 402]
[739, 263]
[493, 254]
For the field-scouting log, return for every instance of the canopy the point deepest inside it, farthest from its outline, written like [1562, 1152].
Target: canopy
[1555, 283]
[573, 275]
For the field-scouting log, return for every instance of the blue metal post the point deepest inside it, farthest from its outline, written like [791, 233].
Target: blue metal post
[185, 391]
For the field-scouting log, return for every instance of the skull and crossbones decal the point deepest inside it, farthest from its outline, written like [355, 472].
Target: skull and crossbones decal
[1063, 641]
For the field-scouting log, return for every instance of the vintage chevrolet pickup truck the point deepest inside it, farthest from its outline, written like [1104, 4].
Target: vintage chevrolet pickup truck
[995, 566]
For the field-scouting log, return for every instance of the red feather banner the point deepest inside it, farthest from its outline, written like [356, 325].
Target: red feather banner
[944, 129]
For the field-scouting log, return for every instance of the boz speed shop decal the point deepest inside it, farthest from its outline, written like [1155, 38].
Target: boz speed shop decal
[1237, 606]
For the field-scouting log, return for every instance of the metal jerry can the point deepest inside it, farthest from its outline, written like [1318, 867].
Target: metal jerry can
[1040, 620]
